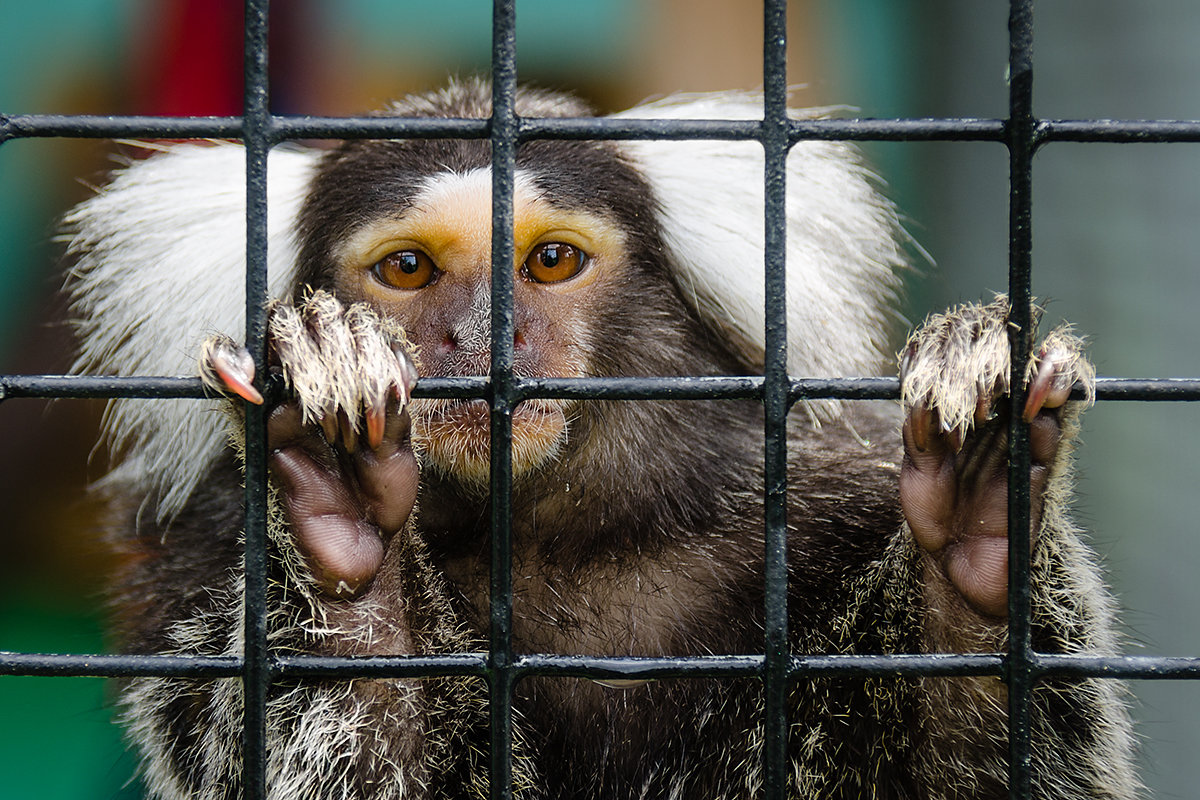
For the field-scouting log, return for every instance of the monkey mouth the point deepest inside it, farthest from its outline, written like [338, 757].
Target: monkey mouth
[455, 435]
[477, 412]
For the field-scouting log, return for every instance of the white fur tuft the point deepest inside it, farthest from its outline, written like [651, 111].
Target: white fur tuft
[843, 250]
[160, 253]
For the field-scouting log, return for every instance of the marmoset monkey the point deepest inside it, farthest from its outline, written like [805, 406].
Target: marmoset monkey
[637, 526]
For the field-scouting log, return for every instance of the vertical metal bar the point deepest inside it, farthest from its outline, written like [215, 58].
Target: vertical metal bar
[503, 136]
[256, 674]
[1020, 148]
[775, 398]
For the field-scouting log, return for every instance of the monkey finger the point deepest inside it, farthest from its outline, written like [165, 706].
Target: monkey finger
[381, 403]
[927, 499]
[373, 365]
[340, 364]
[955, 438]
[983, 409]
[388, 475]
[978, 567]
[301, 361]
[226, 367]
[377, 367]
[343, 549]
[1045, 435]
[287, 428]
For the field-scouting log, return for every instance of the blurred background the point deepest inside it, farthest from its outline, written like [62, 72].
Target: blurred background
[1115, 244]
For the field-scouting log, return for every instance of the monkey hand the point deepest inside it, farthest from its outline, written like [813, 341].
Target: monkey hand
[340, 448]
[954, 374]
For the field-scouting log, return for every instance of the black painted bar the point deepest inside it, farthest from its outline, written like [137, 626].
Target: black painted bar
[776, 402]
[257, 670]
[748, 387]
[504, 149]
[1021, 147]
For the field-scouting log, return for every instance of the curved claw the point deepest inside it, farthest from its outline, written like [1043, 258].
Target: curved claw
[921, 427]
[408, 375]
[348, 432]
[234, 368]
[1047, 389]
[329, 426]
[376, 425]
[983, 409]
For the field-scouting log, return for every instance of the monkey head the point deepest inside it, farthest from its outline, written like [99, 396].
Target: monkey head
[406, 226]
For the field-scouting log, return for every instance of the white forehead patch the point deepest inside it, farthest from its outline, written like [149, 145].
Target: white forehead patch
[469, 190]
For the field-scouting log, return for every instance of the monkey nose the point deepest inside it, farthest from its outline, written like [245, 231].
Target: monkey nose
[451, 343]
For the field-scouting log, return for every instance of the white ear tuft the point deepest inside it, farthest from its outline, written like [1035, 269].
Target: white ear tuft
[843, 250]
[160, 258]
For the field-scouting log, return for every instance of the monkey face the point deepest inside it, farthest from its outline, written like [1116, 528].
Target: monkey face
[429, 268]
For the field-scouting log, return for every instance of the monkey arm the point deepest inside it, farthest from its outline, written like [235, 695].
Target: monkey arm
[954, 481]
[954, 495]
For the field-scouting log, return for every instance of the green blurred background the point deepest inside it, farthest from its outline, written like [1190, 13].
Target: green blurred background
[1115, 244]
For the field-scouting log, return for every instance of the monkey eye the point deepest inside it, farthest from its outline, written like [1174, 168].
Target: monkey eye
[405, 269]
[553, 262]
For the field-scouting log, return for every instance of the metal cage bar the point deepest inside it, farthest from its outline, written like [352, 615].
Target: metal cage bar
[775, 400]
[257, 669]
[503, 134]
[1018, 665]
[1021, 133]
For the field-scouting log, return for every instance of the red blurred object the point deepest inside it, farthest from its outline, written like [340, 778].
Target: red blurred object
[192, 64]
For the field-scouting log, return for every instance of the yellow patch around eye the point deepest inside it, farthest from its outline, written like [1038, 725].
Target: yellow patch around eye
[450, 222]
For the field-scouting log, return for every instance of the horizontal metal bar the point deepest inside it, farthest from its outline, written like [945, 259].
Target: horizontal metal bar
[596, 667]
[119, 666]
[1117, 131]
[377, 127]
[640, 668]
[898, 130]
[844, 389]
[705, 388]
[666, 388]
[1124, 667]
[939, 664]
[305, 666]
[1178, 389]
[628, 128]
[276, 130]
[84, 386]
[37, 126]
[682, 388]
[282, 128]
